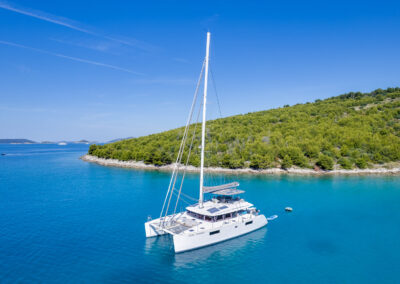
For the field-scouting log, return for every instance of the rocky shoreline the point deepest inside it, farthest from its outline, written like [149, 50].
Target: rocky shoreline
[295, 171]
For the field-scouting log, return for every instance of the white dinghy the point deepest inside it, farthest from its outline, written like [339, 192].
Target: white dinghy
[223, 216]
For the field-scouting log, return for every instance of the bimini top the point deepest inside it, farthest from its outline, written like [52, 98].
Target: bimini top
[222, 187]
[228, 191]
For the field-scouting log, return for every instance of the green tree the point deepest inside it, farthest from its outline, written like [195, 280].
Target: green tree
[286, 162]
[345, 163]
[361, 163]
[92, 149]
[311, 151]
[325, 162]
[255, 161]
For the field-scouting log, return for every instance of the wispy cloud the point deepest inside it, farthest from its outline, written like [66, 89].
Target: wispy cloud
[70, 57]
[103, 46]
[45, 17]
[74, 25]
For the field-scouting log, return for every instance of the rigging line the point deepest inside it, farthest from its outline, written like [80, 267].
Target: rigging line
[218, 103]
[215, 90]
[185, 197]
[187, 159]
[189, 197]
[187, 202]
[181, 150]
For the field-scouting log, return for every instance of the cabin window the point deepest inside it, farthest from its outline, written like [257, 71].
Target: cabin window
[195, 215]
[214, 232]
[248, 223]
[219, 217]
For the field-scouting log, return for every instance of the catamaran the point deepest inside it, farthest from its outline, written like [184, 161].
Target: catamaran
[221, 216]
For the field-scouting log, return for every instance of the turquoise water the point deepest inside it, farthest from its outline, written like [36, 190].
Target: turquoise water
[66, 221]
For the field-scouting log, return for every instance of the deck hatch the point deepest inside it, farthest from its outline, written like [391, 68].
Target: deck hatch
[223, 207]
[213, 210]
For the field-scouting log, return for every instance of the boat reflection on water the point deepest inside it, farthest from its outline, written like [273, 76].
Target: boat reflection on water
[233, 248]
[162, 243]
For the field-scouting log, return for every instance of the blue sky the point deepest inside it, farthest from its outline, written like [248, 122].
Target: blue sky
[101, 70]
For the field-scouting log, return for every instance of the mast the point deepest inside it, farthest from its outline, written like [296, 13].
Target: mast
[203, 129]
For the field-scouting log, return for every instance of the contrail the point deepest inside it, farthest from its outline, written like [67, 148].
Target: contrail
[45, 17]
[70, 57]
[65, 22]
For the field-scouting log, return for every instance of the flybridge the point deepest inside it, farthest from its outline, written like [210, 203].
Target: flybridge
[218, 207]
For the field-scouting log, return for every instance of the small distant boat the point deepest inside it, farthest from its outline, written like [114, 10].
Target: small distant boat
[273, 217]
[62, 143]
[3, 154]
[288, 209]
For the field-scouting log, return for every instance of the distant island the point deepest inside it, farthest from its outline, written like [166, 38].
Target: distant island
[351, 131]
[119, 139]
[17, 141]
[27, 141]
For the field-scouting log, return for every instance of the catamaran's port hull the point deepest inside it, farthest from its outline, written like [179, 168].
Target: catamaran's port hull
[185, 242]
[167, 225]
[152, 230]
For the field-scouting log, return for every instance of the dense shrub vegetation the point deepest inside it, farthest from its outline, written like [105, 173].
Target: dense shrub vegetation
[350, 130]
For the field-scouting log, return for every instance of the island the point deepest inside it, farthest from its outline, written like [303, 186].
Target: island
[17, 141]
[27, 141]
[350, 133]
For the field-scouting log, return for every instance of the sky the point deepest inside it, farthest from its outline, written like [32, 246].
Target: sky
[100, 70]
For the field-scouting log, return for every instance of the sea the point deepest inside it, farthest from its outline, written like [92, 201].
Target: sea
[63, 220]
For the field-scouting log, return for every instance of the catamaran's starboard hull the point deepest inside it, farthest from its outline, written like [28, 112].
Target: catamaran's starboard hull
[185, 242]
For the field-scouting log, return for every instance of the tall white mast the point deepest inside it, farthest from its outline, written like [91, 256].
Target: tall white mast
[203, 129]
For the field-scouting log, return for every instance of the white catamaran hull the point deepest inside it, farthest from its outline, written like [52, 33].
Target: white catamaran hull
[152, 231]
[185, 242]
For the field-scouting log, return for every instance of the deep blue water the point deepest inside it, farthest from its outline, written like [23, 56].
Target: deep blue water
[63, 220]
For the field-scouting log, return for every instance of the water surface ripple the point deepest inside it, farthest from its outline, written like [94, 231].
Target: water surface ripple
[66, 221]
